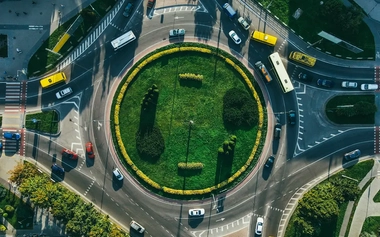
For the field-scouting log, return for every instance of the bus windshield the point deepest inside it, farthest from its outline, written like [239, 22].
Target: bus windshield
[123, 40]
[264, 38]
[281, 73]
[53, 80]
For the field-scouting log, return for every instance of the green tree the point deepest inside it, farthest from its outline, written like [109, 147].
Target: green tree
[22, 171]
[365, 108]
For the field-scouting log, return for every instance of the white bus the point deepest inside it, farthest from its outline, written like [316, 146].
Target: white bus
[280, 71]
[123, 40]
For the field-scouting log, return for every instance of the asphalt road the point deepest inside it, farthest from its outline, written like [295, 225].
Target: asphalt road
[265, 193]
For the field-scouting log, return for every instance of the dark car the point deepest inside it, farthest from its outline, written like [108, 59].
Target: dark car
[128, 10]
[270, 161]
[57, 169]
[66, 153]
[277, 131]
[292, 117]
[150, 3]
[305, 77]
[352, 155]
[325, 83]
[12, 135]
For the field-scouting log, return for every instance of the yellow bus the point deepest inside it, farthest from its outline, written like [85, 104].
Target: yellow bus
[303, 58]
[264, 38]
[53, 80]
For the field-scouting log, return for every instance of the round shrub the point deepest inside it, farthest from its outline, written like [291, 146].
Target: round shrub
[9, 208]
[2, 227]
[5, 214]
[1, 211]
[150, 144]
[239, 109]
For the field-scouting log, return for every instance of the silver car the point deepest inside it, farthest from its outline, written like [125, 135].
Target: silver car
[234, 37]
[177, 32]
[118, 174]
[349, 84]
[369, 87]
[65, 92]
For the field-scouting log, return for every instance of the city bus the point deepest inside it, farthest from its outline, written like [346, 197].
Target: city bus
[303, 58]
[280, 72]
[53, 80]
[123, 40]
[264, 38]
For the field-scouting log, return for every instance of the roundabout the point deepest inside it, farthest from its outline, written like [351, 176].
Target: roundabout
[214, 100]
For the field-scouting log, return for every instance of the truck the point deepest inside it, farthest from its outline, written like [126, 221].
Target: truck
[303, 58]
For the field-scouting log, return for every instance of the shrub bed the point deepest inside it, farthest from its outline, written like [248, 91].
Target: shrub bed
[190, 166]
[190, 76]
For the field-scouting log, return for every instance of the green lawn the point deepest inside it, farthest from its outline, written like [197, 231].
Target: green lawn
[332, 104]
[332, 229]
[47, 122]
[376, 198]
[311, 22]
[175, 107]
[371, 225]
[22, 217]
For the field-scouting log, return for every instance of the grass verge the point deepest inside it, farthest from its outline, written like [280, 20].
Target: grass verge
[371, 226]
[45, 122]
[313, 11]
[376, 198]
[336, 101]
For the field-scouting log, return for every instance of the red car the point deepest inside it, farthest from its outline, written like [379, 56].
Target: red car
[66, 153]
[90, 150]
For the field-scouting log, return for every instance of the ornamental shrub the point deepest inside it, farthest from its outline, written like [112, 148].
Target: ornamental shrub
[190, 165]
[190, 76]
[1, 211]
[9, 208]
[5, 215]
[150, 144]
[227, 149]
[239, 110]
[2, 227]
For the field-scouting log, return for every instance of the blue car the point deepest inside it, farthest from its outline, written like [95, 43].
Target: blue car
[58, 169]
[11, 135]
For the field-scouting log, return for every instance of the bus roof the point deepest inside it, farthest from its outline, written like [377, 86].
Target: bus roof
[123, 39]
[264, 38]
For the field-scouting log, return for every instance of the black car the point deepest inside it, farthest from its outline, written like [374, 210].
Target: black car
[270, 161]
[292, 117]
[57, 169]
[305, 77]
[325, 83]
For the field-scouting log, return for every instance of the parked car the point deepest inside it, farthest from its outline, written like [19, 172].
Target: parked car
[57, 169]
[234, 37]
[277, 131]
[118, 174]
[325, 83]
[63, 93]
[305, 77]
[67, 154]
[243, 23]
[137, 227]
[270, 161]
[352, 155]
[292, 117]
[90, 150]
[369, 87]
[1, 145]
[349, 84]
[128, 10]
[196, 212]
[150, 3]
[259, 226]
[12, 135]
[177, 32]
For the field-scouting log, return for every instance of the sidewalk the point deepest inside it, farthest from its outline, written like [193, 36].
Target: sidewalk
[44, 223]
[27, 24]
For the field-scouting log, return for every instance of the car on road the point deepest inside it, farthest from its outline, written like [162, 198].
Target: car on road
[349, 84]
[1, 145]
[90, 150]
[259, 226]
[305, 77]
[270, 161]
[292, 117]
[12, 135]
[234, 37]
[196, 212]
[68, 154]
[277, 131]
[369, 87]
[325, 83]
[128, 10]
[177, 32]
[57, 169]
[63, 93]
[137, 227]
[150, 3]
[243, 23]
[352, 155]
[118, 174]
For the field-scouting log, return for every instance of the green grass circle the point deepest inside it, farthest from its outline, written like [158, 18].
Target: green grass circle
[176, 106]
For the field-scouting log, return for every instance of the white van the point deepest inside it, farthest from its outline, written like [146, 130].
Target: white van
[229, 10]
[137, 227]
[65, 92]
[369, 87]
[243, 23]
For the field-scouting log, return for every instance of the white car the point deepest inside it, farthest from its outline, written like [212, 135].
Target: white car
[65, 92]
[137, 227]
[234, 37]
[177, 32]
[259, 226]
[349, 84]
[243, 23]
[369, 87]
[118, 174]
[197, 212]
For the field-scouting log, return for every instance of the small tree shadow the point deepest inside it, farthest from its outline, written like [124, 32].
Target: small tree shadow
[189, 173]
[190, 83]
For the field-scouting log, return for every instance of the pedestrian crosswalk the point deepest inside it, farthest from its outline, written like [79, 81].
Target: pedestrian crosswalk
[90, 39]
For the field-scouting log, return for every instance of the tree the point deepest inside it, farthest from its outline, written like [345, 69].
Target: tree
[365, 108]
[22, 171]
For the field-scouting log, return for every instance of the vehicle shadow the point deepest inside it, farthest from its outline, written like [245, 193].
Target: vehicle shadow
[68, 164]
[117, 184]
[134, 233]
[266, 173]
[90, 162]
[57, 177]
[194, 221]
